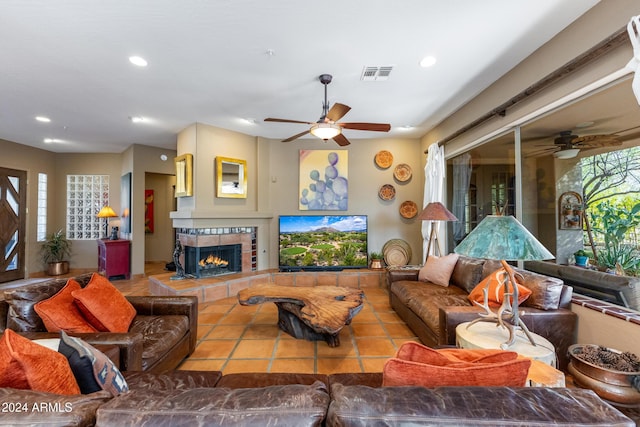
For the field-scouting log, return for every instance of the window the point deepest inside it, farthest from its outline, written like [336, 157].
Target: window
[86, 194]
[42, 208]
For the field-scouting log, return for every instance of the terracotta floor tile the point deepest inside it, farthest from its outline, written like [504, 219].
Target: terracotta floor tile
[368, 330]
[373, 364]
[215, 308]
[266, 317]
[209, 318]
[256, 349]
[375, 347]
[246, 365]
[399, 341]
[364, 317]
[213, 349]
[227, 332]
[203, 330]
[261, 331]
[389, 317]
[345, 349]
[399, 330]
[303, 366]
[202, 365]
[237, 318]
[295, 348]
[336, 365]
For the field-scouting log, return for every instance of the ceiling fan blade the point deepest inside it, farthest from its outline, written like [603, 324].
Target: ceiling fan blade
[296, 136]
[376, 127]
[337, 112]
[341, 140]
[595, 141]
[269, 119]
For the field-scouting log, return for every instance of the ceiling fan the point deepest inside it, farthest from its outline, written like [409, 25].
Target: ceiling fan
[327, 126]
[567, 145]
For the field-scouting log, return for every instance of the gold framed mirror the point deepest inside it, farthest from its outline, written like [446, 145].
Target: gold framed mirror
[184, 175]
[231, 177]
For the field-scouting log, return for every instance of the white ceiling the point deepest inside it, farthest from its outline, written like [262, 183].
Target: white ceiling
[209, 63]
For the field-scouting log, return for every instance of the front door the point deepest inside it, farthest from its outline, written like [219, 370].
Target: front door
[13, 209]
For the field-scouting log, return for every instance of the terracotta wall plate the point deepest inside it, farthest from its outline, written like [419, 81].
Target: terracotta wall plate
[387, 192]
[384, 159]
[402, 172]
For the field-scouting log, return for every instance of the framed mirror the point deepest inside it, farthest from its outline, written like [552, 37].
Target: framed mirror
[231, 177]
[184, 175]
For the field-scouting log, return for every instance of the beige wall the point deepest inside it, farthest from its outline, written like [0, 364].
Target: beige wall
[597, 328]
[159, 244]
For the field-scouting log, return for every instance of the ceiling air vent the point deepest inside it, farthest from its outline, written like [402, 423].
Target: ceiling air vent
[376, 73]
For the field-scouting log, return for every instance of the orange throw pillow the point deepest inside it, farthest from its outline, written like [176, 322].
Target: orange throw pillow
[27, 365]
[60, 312]
[104, 307]
[495, 282]
[416, 352]
[397, 372]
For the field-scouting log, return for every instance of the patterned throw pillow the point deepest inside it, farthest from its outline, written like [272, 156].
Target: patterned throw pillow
[495, 285]
[92, 369]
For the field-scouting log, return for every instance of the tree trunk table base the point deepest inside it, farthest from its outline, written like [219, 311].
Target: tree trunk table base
[311, 313]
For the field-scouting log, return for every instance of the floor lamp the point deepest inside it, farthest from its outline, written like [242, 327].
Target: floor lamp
[106, 212]
[435, 211]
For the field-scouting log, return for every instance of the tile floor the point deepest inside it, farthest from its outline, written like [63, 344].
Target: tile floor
[236, 338]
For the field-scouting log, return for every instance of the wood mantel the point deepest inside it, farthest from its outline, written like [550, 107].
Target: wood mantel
[312, 313]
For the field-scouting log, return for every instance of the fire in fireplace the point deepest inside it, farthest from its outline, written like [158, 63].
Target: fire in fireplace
[212, 260]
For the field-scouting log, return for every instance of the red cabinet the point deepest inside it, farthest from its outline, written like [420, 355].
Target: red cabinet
[113, 258]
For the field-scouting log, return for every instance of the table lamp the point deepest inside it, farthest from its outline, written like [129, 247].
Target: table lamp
[106, 212]
[435, 211]
[504, 238]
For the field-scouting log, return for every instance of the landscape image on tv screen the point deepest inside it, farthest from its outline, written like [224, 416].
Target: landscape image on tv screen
[323, 241]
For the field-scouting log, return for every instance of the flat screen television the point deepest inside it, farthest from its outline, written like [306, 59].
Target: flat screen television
[322, 242]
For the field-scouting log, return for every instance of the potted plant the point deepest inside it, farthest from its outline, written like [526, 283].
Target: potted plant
[581, 257]
[376, 261]
[54, 251]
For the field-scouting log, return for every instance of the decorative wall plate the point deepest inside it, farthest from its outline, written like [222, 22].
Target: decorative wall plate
[387, 192]
[402, 172]
[408, 209]
[384, 159]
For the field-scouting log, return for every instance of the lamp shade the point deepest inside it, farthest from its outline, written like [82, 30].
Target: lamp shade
[107, 212]
[502, 238]
[435, 211]
[325, 130]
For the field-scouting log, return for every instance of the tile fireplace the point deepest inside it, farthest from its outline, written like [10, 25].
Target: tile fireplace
[217, 251]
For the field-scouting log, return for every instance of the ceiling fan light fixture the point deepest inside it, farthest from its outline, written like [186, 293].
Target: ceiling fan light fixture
[325, 130]
[569, 153]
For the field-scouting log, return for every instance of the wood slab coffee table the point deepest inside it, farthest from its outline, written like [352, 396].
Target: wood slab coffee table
[312, 313]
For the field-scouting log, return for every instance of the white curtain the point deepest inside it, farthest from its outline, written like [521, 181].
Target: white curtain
[461, 180]
[633, 28]
[433, 188]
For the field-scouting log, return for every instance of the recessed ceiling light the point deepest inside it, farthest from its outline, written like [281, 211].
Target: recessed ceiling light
[163, 157]
[138, 60]
[250, 121]
[405, 128]
[136, 119]
[51, 140]
[428, 61]
[43, 119]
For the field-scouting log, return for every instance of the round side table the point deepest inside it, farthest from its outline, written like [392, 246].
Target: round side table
[491, 335]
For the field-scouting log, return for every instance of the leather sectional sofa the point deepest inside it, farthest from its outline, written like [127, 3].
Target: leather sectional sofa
[286, 399]
[433, 312]
[162, 334]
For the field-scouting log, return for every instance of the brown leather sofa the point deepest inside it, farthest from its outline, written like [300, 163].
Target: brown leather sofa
[288, 399]
[161, 336]
[433, 312]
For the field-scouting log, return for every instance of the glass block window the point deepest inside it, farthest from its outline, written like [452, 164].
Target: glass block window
[86, 195]
[42, 207]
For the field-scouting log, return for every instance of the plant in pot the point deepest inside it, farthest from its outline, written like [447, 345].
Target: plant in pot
[376, 261]
[54, 251]
[582, 258]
